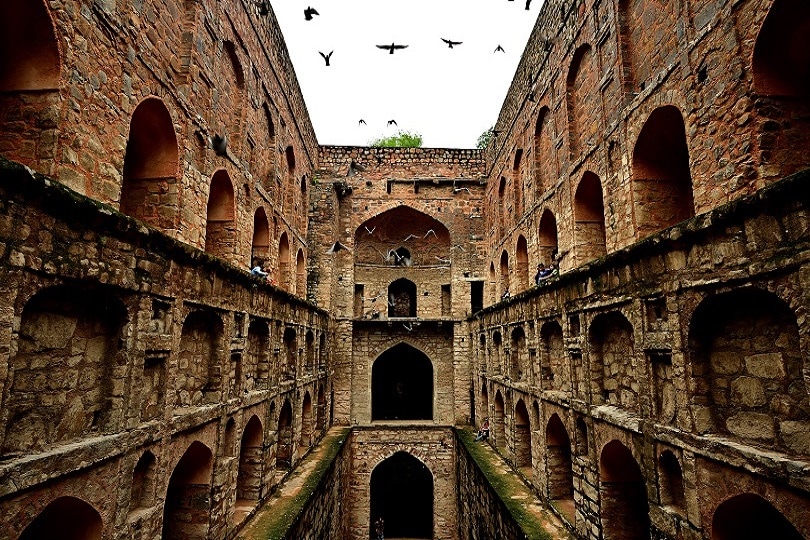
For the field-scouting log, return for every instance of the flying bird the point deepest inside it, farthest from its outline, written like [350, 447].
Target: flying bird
[430, 231]
[451, 43]
[409, 237]
[220, 144]
[326, 57]
[394, 122]
[443, 261]
[499, 49]
[337, 246]
[391, 47]
[371, 230]
[361, 121]
[456, 190]
[309, 12]
[354, 168]
[528, 3]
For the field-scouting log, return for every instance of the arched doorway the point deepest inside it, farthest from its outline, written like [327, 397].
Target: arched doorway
[624, 508]
[750, 517]
[402, 494]
[66, 518]
[188, 498]
[402, 385]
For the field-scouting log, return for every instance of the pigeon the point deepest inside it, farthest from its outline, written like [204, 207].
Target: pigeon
[309, 12]
[220, 144]
[451, 43]
[393, 122]
[361, 121]
[456, 190]
[528, 3]
[430, 231]
[354, 168]
[499, 49]
[337, 246]
[409, 237]
[531, 97]
[264, 8]
[391, 47]
[371, 230]
[326, 57]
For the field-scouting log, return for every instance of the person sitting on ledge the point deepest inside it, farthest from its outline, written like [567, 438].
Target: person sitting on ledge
[505, 294]
[257, 269]
[483, 433]
[544, 273]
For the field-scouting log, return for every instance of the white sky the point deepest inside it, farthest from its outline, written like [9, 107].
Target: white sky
[449, 96]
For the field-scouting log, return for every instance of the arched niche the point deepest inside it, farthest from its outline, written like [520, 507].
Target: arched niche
[284, 453]
[220, 227]
[740, 382]
[578, 99]
[149, 189]
[401, 493]
[749, 516]
[66, 518]
[589, 219]
[70, 337]
[142, 491]
[624, 507]
[200, 352]
[545, 171]
[662, 183]
[402, 385]
[547, 237]
[500, 421]
[559, 472]
[187, 510]
[523, 438]
[612, 350]
[300, 274]
[425, 238]
[283, 277]
[554, 369]
[522, 262]
[306, 423]
[260, 247]
[504, 273]
[251, 464]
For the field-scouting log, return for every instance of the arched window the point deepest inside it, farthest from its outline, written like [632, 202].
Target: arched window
[402, 385]
[589, 220]
[662, 183]
[402, 298]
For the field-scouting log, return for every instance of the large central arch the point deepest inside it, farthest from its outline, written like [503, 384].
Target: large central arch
[402, 385]
[402, 495]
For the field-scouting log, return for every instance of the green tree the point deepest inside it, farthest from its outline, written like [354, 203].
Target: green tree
[401, 139]
[484, 138]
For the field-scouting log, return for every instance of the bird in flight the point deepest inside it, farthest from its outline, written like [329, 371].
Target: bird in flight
[391, 48]
[456, 190]
[451, 43]
[371, 230]
[326, 57]
[393, 122]
[430, 231]
[337, 246]
[528, 3]
[499, 49]
[309, 12]
[361, 121]
[354, 168]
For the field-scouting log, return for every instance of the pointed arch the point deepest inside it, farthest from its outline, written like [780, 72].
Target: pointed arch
[559, 471]
[578, 88]
[504, 273]
[748, 516]
[517, 183]
[306, 424]
[290, 340]
[427, 238]
[142, 491]
[492, 284]
[300, 274]
[149, 189]
[283, 277]
[284, 453]
[624, 508]
[187, 510]
[662, 183]
[260, 247]
[589, 220]
[220, 228]
[251, 464]
[401, 492]
[545, 159]
[522, 262]
[402, 386]
[66, 518]
[670, 482]
[519, 354]
[523, 438]
[547, 237]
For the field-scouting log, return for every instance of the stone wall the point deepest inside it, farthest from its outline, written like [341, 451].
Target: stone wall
[658, 374]
[136, 365]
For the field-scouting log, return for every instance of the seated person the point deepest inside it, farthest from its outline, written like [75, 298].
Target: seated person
[483, 433]
[257, 269]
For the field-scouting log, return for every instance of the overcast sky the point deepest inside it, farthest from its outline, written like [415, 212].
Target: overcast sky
[449, 96]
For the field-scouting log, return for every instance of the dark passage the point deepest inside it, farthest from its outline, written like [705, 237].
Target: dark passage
[402, 385]
[402, 494]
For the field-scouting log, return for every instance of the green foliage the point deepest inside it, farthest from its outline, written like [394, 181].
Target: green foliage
[401, 139]
[484, 138]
